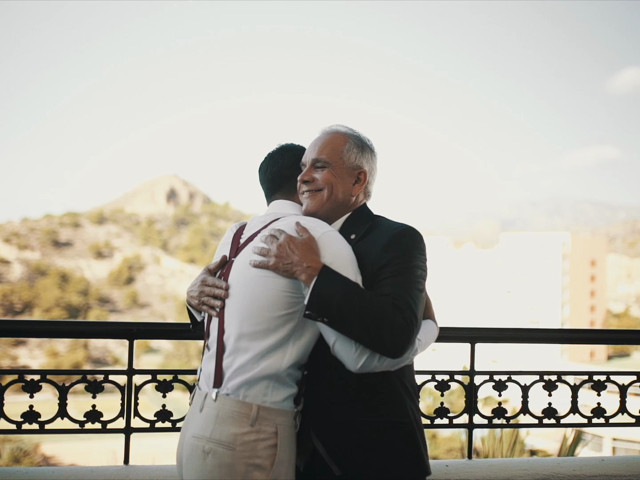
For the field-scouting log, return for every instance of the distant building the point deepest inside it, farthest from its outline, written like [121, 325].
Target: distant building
[535, 280]
[586, 285]
[525, 279]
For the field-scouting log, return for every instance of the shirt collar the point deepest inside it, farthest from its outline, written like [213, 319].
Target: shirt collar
[284, 206]
[338, 223]
[292, 208]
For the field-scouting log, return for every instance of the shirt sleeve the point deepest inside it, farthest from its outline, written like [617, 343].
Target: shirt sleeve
[359, 359]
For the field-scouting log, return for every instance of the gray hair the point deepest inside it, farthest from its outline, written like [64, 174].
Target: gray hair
[358, 152]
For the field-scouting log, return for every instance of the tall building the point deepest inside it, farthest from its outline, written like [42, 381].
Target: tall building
[586, 287]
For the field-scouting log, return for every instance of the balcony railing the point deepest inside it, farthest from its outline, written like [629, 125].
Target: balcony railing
[573, 398]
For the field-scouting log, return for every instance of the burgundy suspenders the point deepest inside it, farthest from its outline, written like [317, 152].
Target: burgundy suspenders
[236, 248]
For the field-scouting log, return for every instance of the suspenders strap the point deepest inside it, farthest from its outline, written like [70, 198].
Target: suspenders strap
[235, 250]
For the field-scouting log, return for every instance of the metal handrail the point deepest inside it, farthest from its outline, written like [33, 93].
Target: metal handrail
[84, 329]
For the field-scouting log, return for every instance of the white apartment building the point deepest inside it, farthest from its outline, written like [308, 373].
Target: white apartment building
[524, 279]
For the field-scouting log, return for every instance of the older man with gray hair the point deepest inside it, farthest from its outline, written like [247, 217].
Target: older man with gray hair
[356, 425]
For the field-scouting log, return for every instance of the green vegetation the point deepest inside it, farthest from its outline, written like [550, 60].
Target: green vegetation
[8, 355]
[497, 443]
[97, 313]
[142, 347]
[131, 298]
[60, 294]
[50, 292]
[16, 299]
[13, 237]
[445, 445]
[571, 444]
[182, 355]
[504, 443]
[74, 354]
[99, 250]
[98, 217]
[197, 245]
[21, 452]
[187, 235]
[125, 273]
[50, 237]
[193, 237]
[150, 233]
[70, 219]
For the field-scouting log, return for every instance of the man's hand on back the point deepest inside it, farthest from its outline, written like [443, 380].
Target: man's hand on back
[290, 256]
[207, 293]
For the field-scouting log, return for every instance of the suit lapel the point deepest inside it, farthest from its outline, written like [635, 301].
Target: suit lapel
[356, 224]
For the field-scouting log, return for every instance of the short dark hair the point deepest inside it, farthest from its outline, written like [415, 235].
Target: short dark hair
[279, 171]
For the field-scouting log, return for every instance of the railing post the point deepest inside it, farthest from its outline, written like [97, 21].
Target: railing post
[128, 409]
[471, 398]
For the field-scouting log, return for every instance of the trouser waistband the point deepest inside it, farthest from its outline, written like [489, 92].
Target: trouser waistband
[255, 413]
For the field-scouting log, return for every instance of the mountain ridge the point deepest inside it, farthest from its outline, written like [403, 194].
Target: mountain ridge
[159, 195]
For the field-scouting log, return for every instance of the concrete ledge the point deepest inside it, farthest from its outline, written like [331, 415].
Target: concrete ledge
[119, 472]
[581, 468]
[566, 468]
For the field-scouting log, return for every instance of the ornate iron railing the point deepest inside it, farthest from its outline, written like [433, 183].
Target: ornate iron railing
[76, 394]
[573, 398]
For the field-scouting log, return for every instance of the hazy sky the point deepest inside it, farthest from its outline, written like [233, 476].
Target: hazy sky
[470, 104]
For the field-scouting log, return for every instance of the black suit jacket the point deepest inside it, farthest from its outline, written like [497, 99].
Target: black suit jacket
[369, 425]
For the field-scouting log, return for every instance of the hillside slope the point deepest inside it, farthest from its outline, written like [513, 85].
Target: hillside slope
[137, 254]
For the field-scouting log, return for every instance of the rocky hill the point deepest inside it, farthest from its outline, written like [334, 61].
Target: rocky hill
[160, 196]
[130, 259]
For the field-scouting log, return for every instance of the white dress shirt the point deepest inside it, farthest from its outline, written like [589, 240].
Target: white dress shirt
[267, 340]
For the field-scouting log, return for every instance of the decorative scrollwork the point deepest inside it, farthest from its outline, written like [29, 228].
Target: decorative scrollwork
[31, 387]
[556, 388]
[96, 387]
[93, 415]
[550, 386]
[450, 392]
[533, 398]
[502, 386]
[165, 387]
[31, 415]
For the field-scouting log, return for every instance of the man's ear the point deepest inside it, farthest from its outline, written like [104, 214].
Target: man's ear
[359, 182]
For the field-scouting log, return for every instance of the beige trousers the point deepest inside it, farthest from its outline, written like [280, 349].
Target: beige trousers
[225, 438]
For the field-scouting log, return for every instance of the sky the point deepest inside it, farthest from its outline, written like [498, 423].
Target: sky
[471, 105]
